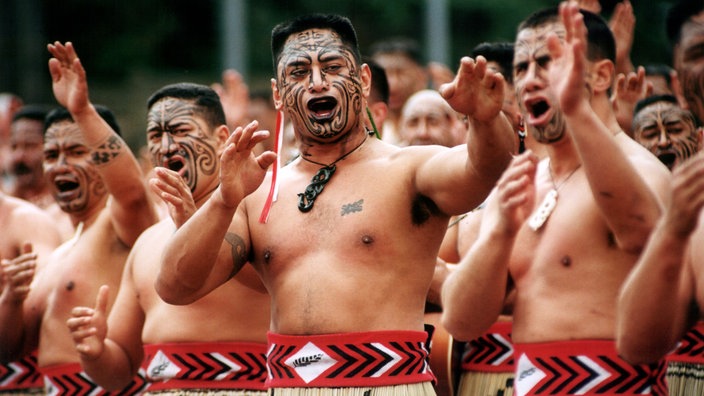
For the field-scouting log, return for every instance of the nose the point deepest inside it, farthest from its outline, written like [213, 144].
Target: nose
[533, 78]
[664, 139]
[167, 144]
[318, 82]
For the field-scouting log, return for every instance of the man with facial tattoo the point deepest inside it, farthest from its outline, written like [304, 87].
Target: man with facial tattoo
[215, 345]
[668, 131]
[660, 307]
[348, 247]
[560, 235]
[96, 179]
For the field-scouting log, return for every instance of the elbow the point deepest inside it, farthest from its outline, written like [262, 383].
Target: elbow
[173, 293]
[636, 352]
[634, 239]
[463, 327]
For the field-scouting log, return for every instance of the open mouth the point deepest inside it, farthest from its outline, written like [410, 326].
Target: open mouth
[322, 108]
[668, 159]
[537, 108]
[66, 186]
[22, 169]
[174, 163]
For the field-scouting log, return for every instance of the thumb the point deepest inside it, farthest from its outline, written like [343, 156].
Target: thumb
[101, 301]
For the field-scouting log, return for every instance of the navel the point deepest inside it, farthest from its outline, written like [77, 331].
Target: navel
[70, 285]
[566, 261]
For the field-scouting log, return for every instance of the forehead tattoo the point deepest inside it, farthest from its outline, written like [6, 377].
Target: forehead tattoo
[533, 40]
[301, 46]
[168, 110]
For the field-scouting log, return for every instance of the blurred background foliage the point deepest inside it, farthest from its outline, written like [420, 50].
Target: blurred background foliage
[132, 47]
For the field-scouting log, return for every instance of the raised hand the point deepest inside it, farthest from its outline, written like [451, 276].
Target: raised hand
[622, 24]
[171, 188]
[476, 91]
[568, 66]
[687, 196]
[89, 326]
[628, 90]
[512, 201]
[234, 96]
[241, 171]
[17, 275]
[68, 77]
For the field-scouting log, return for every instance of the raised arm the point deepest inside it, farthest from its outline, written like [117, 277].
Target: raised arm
[131, 210]
[458, 180]
[657, 302]
[473, 294]
[212, 246]
[629, 205]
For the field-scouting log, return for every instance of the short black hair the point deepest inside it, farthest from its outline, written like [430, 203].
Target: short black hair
[202, 96]
[337, 23]
[601, 43]
[643, 103]
[380, 84]
[678, 15]
[399, 45]
[33, 112]
[499, 52]
[59, 114]
[659, 69]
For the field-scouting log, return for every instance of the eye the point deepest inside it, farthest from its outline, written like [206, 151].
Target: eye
[50, 155]
[298, 73]
[543, 61]
[332, 68]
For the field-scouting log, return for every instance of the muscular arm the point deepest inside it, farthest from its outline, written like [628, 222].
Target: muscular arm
[131, 210]
[214, 243]
[473, 295]
[33, 236]
[110, 345]
[656, 301]
[629, 206]
[459, 179]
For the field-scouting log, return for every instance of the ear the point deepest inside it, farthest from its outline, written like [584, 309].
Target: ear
[221, 134]
[278, 102]
[602, 76]
[700, 132]
[365, 75]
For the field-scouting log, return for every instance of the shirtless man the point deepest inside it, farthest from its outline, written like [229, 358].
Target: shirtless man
[347, 267]
[96, 179]
[186, 132]
[26, 164]
[670, 132]
[22, 223]
[562, 233]
[668, 314]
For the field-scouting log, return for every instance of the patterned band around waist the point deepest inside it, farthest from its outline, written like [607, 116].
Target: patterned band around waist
[379, 358]
[690, 349]
[20, 374]
[583, 368]
[69, 379]
[492, 352]
[222, 365]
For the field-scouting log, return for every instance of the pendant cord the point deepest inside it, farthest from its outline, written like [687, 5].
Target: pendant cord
[339, 159]
[555, 186]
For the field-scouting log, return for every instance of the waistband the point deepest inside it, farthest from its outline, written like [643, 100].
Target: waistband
[584, 367]
[218, 365]
[21, 374]
[690, 349]
[69, 379]
[377, 358]
[491, 352]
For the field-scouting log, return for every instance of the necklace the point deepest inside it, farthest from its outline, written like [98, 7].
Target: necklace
[541, 214]
[307, 198]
